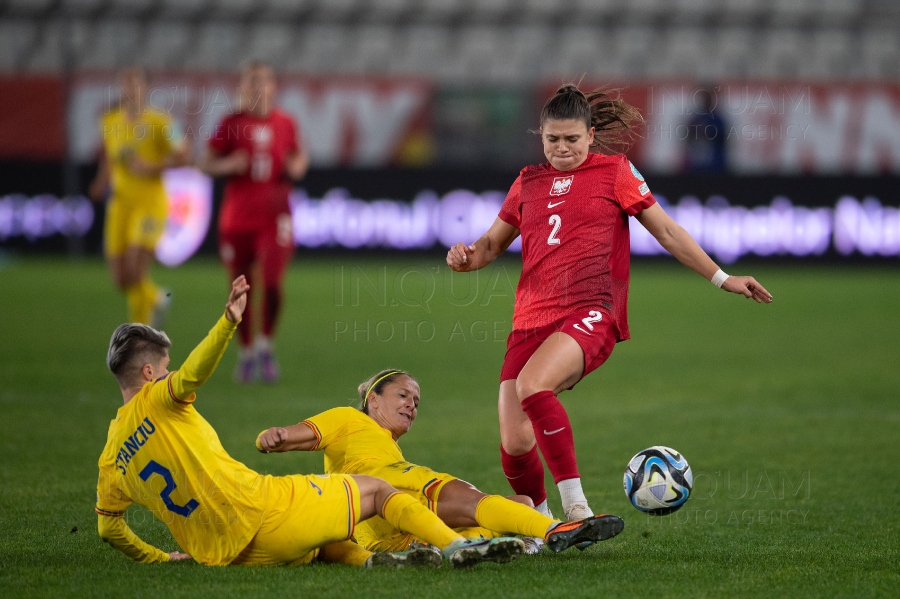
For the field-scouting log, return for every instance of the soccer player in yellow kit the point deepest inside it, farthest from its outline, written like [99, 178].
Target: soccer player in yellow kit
[364, 441]
[163, 455]
[139, 142]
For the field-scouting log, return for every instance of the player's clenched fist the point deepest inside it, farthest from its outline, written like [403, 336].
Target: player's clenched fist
[459, 258]
[271, 440]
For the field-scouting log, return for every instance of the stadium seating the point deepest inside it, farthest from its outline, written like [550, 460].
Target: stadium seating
[17, 37]
[462, 41]
[880, 49]
[165, 44]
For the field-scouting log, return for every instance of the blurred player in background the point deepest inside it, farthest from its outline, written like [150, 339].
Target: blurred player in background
[259, 151]
[571, 302]
[706, 150]
[139, 143]
[161, 453]
[364, 441]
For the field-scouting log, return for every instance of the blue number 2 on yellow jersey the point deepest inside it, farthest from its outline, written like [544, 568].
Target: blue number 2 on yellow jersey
[182, 510]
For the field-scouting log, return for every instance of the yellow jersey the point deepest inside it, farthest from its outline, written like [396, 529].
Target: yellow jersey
[161, 453]
[353, 442]
[152, 137]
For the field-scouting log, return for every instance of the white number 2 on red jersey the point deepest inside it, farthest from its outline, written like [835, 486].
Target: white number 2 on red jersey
[557, 223]
[593, 316]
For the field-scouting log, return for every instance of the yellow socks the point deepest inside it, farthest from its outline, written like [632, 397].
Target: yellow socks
[141, 300]
[345, 552]
[149, 291]
[407, 514]
[506, 516]
[137, 311]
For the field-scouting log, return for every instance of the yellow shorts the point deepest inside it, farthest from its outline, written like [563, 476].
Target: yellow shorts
[133, 224]
[424, 484]
[322, 509]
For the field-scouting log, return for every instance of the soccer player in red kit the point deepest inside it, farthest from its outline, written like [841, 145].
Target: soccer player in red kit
[259, 151]
[572, 299]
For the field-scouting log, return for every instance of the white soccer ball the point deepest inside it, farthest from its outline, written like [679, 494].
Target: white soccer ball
[658, 480]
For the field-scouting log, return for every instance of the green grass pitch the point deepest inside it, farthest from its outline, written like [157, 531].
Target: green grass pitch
[787, 413]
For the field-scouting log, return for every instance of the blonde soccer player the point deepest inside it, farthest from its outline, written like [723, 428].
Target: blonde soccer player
[162, 454]
[363, 440]
[139, 143]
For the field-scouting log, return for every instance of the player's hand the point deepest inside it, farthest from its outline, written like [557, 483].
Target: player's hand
[237, 299]
[237, 163]
[140, 167]
[460, 257]
[177, 556]
[748, 287]
[272, 440]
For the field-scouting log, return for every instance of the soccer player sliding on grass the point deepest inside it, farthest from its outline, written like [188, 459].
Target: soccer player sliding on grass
[364, 441]
[163, 455]
[571, 303]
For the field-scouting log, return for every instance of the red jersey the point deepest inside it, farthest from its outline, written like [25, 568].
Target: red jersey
[254, 199]
[575, 244]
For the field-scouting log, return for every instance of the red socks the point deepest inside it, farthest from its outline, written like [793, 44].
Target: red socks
[245, 327]
[271, 308]
[525, 474]
[553, 432]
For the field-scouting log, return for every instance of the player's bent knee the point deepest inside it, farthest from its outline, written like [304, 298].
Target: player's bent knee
[527, 386]
[374, 488]
[517, 447]
[367, 485]
[517, 440]
[523, 499]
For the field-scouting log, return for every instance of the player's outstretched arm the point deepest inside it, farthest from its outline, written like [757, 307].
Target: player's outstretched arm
[297, 437]
[680, 244]
[466, 258]
[202, 362]
[235, 163]
[115, 531]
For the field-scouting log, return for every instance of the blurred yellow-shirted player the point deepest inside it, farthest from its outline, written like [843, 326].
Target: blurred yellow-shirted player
[364, 441]
[139, 142]
[161, 453]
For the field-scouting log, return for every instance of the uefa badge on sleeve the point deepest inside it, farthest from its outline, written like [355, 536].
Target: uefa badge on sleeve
[637, 174]
[561, 185]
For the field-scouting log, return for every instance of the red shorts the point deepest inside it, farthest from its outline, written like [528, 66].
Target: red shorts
[594, 330]
[272, 247]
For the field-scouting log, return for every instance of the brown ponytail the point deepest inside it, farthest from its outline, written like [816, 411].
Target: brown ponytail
[612, 118]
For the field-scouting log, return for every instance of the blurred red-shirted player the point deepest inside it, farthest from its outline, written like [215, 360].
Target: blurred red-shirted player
[571, 303]
[258, 149]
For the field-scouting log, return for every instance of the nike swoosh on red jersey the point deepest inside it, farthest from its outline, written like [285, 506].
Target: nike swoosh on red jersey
[580, 329]
[552, 205]
[515, 477]
[554, 432]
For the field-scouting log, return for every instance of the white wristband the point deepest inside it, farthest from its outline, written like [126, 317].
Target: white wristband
[719, 278]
